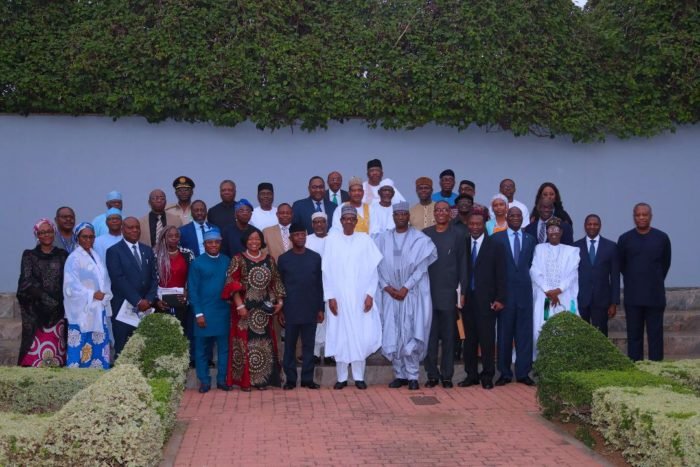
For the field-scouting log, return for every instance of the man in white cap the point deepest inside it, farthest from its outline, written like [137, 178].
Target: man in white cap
[317, 242]
[114, 200]
[354, 328]
[406, 307]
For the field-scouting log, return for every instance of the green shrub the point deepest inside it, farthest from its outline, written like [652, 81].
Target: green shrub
[167, 401]
[568, 343]
[21, 435]
[39, 390]
[652, 426]
[572, 392]
[685, 372]
[111, 422]
[159, 348]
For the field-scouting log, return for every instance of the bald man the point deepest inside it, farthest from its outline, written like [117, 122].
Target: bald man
[156, 220]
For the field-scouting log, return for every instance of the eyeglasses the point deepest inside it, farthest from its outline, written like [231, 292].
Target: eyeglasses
[44, 232]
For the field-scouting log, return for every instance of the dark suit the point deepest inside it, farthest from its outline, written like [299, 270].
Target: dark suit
[344, 196]
[486, 283]
[567, 232]
[303, 209]
[188, 236]
[130, 282]
[515, 320]
[599, 283]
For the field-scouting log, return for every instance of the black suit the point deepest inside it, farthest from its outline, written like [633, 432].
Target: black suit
[344, 196]
[567, 232]
[598, 283]
[515, 320]
[303, 209]
[486, 283]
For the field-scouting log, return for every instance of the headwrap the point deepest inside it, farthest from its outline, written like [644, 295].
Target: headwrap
[242, 202]
[374, 163]
[400, 206]
[316, 215]
[386, 185]
[354, 181]
[424, 181]
[347, 209]
[265, 186]
[38, 224]
[212, 234]
[79, 228]
[501, 197]
[114, 196]
[447, 172]
[296, 227]
[114, 212]
[467, 182]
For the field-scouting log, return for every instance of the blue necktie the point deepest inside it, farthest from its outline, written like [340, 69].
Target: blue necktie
[318, 206]
[473, 284]
[591, 252]
[516, 247]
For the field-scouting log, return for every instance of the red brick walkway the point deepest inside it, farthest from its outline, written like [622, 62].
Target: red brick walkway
[379, 426]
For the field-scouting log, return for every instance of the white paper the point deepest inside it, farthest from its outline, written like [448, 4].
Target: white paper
[129, 315]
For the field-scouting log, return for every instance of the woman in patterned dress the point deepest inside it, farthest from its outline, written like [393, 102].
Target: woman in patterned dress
[40, 297]
[87, 292]
[256, 291]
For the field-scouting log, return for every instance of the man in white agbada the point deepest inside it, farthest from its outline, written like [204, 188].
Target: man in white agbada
[376, 180]
[317, 242]
[404, 301]
[354, 328]
[381, 212]
[554, 274]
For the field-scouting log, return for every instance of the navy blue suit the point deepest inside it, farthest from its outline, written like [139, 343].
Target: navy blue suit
[304, 208]
[188, 236]
[130, 282]
[515, 319]
[567, 232]
[598, 283]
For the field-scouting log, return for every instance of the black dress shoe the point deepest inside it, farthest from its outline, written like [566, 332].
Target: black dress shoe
[330, 361]
[212, 364]
[398, 382]
[289, 386]
[446, 383]
[360, 385]
[340, 385]
[224, 387]
[503, 381]
[310, 385]
[413, 385]
[317, 360]
[527, 380]
[204, 388]
[466, 382]
[431, 383]
[487, 384]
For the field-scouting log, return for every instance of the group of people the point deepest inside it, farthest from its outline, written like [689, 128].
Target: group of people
[345, 272]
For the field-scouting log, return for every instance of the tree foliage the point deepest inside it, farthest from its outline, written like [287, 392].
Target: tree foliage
[623, 67]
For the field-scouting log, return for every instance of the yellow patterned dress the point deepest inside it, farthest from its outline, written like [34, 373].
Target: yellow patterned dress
[253, 356]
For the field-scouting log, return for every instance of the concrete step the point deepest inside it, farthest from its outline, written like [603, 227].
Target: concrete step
[677, 344]
[9, 308]
[674, 320]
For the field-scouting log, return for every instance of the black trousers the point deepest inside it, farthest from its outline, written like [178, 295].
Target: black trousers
[308, 337]
[597, 316]
[639, 317]
[442, 328]
[480, 329]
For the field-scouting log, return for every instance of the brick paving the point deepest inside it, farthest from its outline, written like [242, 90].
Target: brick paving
[379, 426]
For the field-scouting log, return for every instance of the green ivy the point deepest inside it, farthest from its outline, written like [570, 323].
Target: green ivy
[527, 66]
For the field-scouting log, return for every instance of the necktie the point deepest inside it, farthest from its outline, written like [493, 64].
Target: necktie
[201, 245]
[516, 247]
[318, 206]
[137, 256]
[541, 235]
[591, 252]
[159, 226]
[285, 238]
[335, 199]
[474, 252]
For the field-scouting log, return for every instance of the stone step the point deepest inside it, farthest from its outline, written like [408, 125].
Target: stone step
[674, 320]
[677, 344]
[9, 308]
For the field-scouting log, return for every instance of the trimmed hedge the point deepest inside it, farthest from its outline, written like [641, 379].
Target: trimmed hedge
[619, 67]
[567, 343]
[652, 426]
[685, 372]
[41, 390]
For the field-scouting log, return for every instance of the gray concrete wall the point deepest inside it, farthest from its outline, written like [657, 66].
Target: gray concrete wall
[49, 161]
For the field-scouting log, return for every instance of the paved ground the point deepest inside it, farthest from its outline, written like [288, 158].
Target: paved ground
[379, 426]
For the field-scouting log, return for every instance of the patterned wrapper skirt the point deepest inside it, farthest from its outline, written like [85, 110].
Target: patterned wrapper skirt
[48, 347]
[89, 349]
